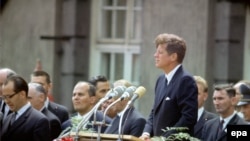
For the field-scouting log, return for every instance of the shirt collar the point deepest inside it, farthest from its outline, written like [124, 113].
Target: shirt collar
[170, 75]
[22, 110]
[81, 116]
[42, 108]
[200, 111]
[46, 102]
[227, 119]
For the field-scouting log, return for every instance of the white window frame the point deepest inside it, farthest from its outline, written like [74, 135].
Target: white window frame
[129, 47]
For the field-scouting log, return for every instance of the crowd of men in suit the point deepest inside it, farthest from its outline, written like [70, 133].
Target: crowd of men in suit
[38, 118]
[28, 114]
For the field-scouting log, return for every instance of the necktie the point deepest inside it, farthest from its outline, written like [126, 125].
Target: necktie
[166, 82]
[221, 125]
[3, 106]
[220, 128]
[13, 118]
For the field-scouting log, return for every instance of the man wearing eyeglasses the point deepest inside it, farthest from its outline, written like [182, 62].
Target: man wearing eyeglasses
[25, 123]
[4, 73]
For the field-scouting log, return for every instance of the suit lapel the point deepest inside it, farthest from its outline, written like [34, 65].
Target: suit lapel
[163, 93]
[114, 126]
[200, 123]
[6, 125]
[233, 121]
[19, 121]
[214, 128]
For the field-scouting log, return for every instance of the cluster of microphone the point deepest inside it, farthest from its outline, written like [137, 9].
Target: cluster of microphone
[122, 92]
[119, 93]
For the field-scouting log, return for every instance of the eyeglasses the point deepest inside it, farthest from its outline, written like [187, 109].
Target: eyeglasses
[5, 97]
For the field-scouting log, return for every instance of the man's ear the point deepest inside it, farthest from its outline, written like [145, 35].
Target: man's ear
[233, 101]
[50, 86]
[42, 97]
[174, 56]
[93, 100]
[22, 93]
[205, 97]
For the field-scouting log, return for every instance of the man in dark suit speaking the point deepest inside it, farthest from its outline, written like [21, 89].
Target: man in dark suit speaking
[175, 103]
[24, 123]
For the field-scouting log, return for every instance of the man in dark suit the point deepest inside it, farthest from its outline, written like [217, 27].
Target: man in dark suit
[43, 78]
[224, 101]
[101, 84]
[84, 100]
[203, 115]
[4, 73]
[37, 97]
[175, 102]
[132, 123]
[25, 123]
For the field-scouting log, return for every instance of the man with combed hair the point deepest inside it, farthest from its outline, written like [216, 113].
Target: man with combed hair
[101, 84]
[4, 73]
[203, 114]
[224, 101]
[175, 103]
[37, 97]
[24, 123]
[59, 110]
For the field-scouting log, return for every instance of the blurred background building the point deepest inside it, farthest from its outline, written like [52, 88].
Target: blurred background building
[77, 39]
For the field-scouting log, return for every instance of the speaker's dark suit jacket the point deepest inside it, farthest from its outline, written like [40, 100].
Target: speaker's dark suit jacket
[54, 122]
[205, 116]
[209, 132]
[174, 106]
[59, 110]
[99, 117]
[132, 123]
[32, 125]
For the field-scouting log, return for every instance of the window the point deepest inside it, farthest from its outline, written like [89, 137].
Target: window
[116, 39]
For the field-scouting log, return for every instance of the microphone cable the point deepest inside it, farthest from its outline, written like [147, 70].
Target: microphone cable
[128, 111]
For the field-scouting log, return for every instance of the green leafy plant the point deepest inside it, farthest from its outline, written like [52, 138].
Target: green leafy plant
[74, 122]
[181, 135]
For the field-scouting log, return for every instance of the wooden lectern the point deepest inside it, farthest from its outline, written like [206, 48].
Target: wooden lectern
[83, 136]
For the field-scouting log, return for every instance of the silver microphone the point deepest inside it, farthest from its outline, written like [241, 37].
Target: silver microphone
[139, 92]
[128, 93]
[116, 92]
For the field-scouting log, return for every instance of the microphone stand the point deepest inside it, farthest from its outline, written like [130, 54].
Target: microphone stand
[120, 122]
[82, 123]
[85, 120]
[99, 124]
[105, 112]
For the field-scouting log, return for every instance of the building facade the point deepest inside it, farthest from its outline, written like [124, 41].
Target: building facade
[77, 39]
